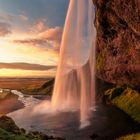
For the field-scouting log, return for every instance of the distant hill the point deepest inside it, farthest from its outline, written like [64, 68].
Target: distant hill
[45, 89]
[25, 66]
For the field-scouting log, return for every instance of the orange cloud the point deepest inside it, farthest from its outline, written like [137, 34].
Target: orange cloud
[48, 40]
[31, 41]
[39, 26]
[53, 34]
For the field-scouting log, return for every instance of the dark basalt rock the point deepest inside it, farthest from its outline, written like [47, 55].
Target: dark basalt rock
[8, 124]
[94, 136]
[118, 41]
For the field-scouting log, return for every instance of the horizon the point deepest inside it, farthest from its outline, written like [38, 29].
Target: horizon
[20, 70]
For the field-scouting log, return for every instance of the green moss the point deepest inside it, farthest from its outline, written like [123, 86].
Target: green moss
[126, 99]
[9, 131]
[113, 92]
[130, 137]
[100, 60]
[4, 135]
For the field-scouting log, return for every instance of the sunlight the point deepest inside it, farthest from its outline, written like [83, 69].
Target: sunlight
[6, 52]
[25, 73]
[12, 52]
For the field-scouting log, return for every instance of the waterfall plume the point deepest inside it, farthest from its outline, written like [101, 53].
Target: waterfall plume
[75, 79]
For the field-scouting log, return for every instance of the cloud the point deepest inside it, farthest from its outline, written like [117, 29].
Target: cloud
[38, 27]
[48, 40]
[23, 17]
[5, 29]
[40, 44]
[32, 41]
[25, 66]
[53, 34]
[6, 17]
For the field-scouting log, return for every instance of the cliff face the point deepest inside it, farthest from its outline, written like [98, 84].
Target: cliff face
[118, 41]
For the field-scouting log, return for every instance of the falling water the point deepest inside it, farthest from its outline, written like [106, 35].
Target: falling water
[75, 79]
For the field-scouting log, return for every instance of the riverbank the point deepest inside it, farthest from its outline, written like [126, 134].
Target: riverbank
[12, 101]
[9, 102]
[10, 131]
[33, 91]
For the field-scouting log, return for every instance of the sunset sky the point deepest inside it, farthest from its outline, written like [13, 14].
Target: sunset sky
[31, 30]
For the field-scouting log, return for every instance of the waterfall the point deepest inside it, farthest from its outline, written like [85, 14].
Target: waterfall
[75, 79]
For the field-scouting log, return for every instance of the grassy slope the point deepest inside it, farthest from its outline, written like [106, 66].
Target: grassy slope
[10, 131]
[44, 89]
[4, 135]
[127, 100]
[130, 137]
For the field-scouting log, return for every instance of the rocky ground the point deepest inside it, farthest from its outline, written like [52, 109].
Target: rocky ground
[123, 97]
[9, 102]
[128, 100]
[10, 131]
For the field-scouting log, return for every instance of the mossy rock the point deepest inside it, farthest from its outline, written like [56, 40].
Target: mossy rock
[113, 92]
[10, 131]
[125, 99]
[5, 135]
[100, 60]
[130, 137]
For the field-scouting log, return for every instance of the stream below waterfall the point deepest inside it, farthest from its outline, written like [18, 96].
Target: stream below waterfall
[108, 122]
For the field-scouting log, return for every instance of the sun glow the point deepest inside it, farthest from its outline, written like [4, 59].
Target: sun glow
[6, 52]
[25, 73]
[12, 52]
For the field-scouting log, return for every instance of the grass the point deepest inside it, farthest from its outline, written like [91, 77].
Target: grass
[4, 135]
[10, 131]
[126, 99]
[130, 137]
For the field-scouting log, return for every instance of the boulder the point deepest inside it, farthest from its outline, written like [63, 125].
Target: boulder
[8, 124]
